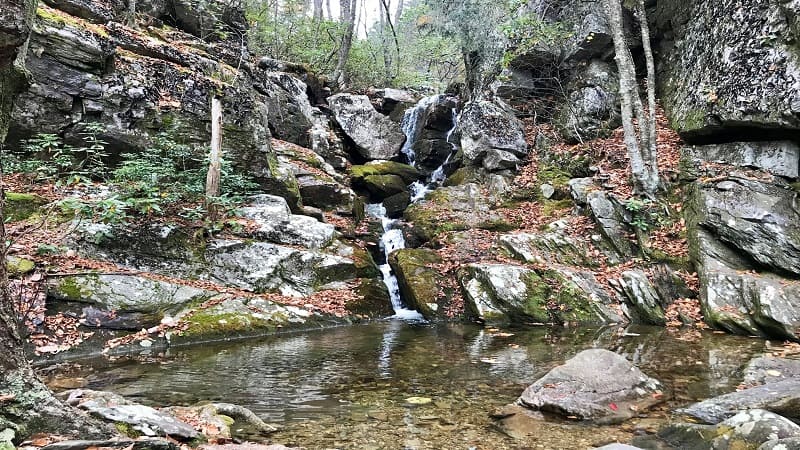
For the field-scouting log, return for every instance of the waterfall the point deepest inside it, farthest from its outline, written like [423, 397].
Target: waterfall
[392, 238]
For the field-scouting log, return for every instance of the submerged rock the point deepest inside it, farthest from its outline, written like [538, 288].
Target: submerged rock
[596, 385]
[375, 135]
[747, 429]
[769, 369]
[780, 397]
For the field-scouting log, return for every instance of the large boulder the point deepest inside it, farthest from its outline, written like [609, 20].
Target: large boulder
[491, 130]
[590, 108]
[418, 279]
[596, 385]
[275, 223]
[428, 126]
[375, 135]
[612, 218]
[502, 293]
[721, 71]
[781, 158]
[769, 369]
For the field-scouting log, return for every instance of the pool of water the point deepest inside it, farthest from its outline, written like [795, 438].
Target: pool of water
[347, 387]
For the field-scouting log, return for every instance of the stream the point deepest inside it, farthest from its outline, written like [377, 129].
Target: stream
[347, 387]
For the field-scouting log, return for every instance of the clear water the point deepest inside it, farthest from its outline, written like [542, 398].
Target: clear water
[347, 387]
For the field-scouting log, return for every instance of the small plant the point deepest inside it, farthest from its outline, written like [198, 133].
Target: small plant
[47, 250]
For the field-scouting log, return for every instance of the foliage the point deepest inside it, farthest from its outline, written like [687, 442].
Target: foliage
[527, 31]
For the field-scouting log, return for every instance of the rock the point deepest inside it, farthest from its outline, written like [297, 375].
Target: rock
[792, 443]
[718, 77]
[116, 409]
[454, 208]
[769, 369]
[418, 279]
[409, 174]
[22, 206]
[590, 110]
[643, 298]
[138, 444]
[780, 397]
[277, 224]
[291, 115]
[322, 193]
[579, 188]
[617, 446]
[546, 248]
[264, 267]
[781, 158]
[596, 385]
[125, 293]
[430, 124]
[747, 429]
[488, 127]
[395, 102]
[547, 191]
[500, 293]
[17, 266]
[610, 217]
[383, 186]
[246, 446]
[374, 301]
[375, 135]
[496, 160]
[396, 204]
[756, 218]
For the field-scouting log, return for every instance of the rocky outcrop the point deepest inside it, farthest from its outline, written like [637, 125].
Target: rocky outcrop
[499, 293]
[276, 223]
[723, 73]
[375, 136]
[595, 385]
[491, 136]
[590, 108]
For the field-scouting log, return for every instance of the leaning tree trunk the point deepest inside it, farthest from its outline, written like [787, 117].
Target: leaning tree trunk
[26, 405]
[645, 180]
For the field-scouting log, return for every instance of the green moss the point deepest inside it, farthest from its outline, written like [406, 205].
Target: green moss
[127, 430]
[210, 322]
[693, 119]
[365, 265]
[551, 207]
[418, 280]
[63, 19]
[796, 186]
[20, 206]
[407, 173]
[554, 176]
[19, 266]
[70, 289]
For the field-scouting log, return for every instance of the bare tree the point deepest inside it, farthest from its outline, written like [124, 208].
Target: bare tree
[214, 158]
[348, 18]
[318, 13]
[641, 148]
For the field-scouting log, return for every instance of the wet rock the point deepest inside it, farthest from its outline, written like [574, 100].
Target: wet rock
[383, 186]
[487, 128]
[643, 298]
[590, 110]
[138, 444]
[409, 174]
[781, 158]
[19, 206]
[757, 218]
[116, 409]
[780, 397]
[125, 293]
[418, 279]
[396, 204]
[395, 102]
[747, 429]
[501, 293]
[246, 446]
[617, 446]
[375, 135]
[769, 369]
[595, 385]
[609, 215]
[277, 224]
[374, 301]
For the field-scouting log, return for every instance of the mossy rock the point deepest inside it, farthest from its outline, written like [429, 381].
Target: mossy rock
[374, 301]
[417, 278]
[409, 174]
[365, 264]
[383, 186]
[19, 266]
[22, 206]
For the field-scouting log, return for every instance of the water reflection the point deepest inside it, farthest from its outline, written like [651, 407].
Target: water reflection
[334, 372]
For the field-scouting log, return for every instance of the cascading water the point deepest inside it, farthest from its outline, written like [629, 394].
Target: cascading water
[392, 238]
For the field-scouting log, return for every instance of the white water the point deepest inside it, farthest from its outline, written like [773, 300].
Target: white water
[392, 238]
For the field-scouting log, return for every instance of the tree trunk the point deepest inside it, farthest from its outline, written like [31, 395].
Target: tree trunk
[130, 20]
[348, 17]
[645, 180]
[650, 154]
[214, 158]
[328, 8]
[318, 13]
